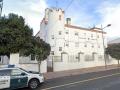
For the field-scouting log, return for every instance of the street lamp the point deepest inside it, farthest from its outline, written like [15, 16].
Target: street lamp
[1, 6]
[104, 43]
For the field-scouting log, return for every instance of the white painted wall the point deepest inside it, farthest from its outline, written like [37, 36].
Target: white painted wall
[32, 66]
[14, 59]
[61, 66]
[4, 60]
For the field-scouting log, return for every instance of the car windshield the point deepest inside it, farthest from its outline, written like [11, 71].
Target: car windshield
[24, 70]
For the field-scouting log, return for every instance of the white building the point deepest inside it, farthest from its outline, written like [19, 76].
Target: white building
[72, 47]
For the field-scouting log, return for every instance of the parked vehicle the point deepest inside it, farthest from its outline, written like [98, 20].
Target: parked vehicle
[14, 77]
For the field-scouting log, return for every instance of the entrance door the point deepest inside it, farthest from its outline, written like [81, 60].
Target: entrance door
[17, 80]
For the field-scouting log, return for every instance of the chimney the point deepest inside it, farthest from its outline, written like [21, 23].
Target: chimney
[68, 21]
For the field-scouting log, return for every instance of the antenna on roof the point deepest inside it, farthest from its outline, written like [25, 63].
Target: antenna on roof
[56, 3]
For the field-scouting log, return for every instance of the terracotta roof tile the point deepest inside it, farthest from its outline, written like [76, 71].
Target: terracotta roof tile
[87, 29]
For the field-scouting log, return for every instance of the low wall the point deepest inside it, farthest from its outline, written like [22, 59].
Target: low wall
[30, 66]
[34, 67]
[60, 66]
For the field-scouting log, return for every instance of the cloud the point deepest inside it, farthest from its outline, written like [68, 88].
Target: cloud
[81, 14]
[31, 10]
[110, 14]
[40, 7]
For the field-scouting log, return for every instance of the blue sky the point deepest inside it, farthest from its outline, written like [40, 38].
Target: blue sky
[85, 13]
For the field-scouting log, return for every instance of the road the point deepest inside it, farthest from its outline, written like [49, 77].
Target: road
[104, 80]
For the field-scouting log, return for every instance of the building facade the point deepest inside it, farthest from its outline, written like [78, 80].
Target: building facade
[72, 47]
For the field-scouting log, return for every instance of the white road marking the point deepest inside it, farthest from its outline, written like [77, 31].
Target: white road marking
[91, 79]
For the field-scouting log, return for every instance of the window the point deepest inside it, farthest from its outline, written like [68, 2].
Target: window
[67, 44]
[16, 72]
[76, 33]
[97, 36]
[84, 35]
[77, 44]
[92, 46]
[85, 45]
[88, 58]
[77, 57]
[60, 32]
[71, 58]
[80, 55]
[59, 17]
[60, 48]
[100, 57]
[5, 72]
[98, 46]
[66, 32]
[52, 52]
[91, 35]
[52, 36]
[93, 56]
[57, 58]
[32, 57]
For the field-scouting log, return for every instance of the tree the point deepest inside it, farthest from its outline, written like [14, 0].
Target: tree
[114, 51]
[41, 50]
[15, 35]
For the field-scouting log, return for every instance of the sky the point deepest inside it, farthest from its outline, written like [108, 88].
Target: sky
[84, 13]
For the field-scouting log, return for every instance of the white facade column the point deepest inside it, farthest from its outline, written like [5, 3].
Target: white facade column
[14, 59]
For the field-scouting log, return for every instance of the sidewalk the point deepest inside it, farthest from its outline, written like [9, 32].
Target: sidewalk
[51, 75]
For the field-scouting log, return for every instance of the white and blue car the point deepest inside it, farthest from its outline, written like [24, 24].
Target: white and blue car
[14, 78]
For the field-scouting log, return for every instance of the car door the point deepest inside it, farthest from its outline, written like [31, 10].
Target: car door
[4, 79]
[18, 79]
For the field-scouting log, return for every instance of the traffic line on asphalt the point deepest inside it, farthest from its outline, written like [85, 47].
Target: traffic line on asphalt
[80, 81]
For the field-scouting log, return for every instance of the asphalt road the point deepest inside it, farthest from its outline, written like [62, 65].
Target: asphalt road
[105, 80]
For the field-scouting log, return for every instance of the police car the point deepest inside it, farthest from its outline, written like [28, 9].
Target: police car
[14, 77]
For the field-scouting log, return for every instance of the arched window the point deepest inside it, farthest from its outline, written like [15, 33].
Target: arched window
[80, 56]
[93, 55]
[59, 17]
[64, 56]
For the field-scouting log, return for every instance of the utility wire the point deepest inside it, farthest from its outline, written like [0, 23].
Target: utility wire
[65, 11]
[69, 5]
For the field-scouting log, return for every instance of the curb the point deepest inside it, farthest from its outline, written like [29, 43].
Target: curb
[58, 74]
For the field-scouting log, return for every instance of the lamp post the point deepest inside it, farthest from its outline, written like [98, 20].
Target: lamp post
[1, 6]
[102, 28]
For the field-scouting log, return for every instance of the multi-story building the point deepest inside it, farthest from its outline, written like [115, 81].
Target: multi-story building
[72, 47]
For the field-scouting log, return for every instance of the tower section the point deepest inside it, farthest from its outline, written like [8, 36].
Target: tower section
[55, 28]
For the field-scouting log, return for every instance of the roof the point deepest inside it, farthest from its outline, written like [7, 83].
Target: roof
[114, 41]
[95, 29]
[86, 29]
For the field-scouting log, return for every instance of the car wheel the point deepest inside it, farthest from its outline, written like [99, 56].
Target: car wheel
[33, 84]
